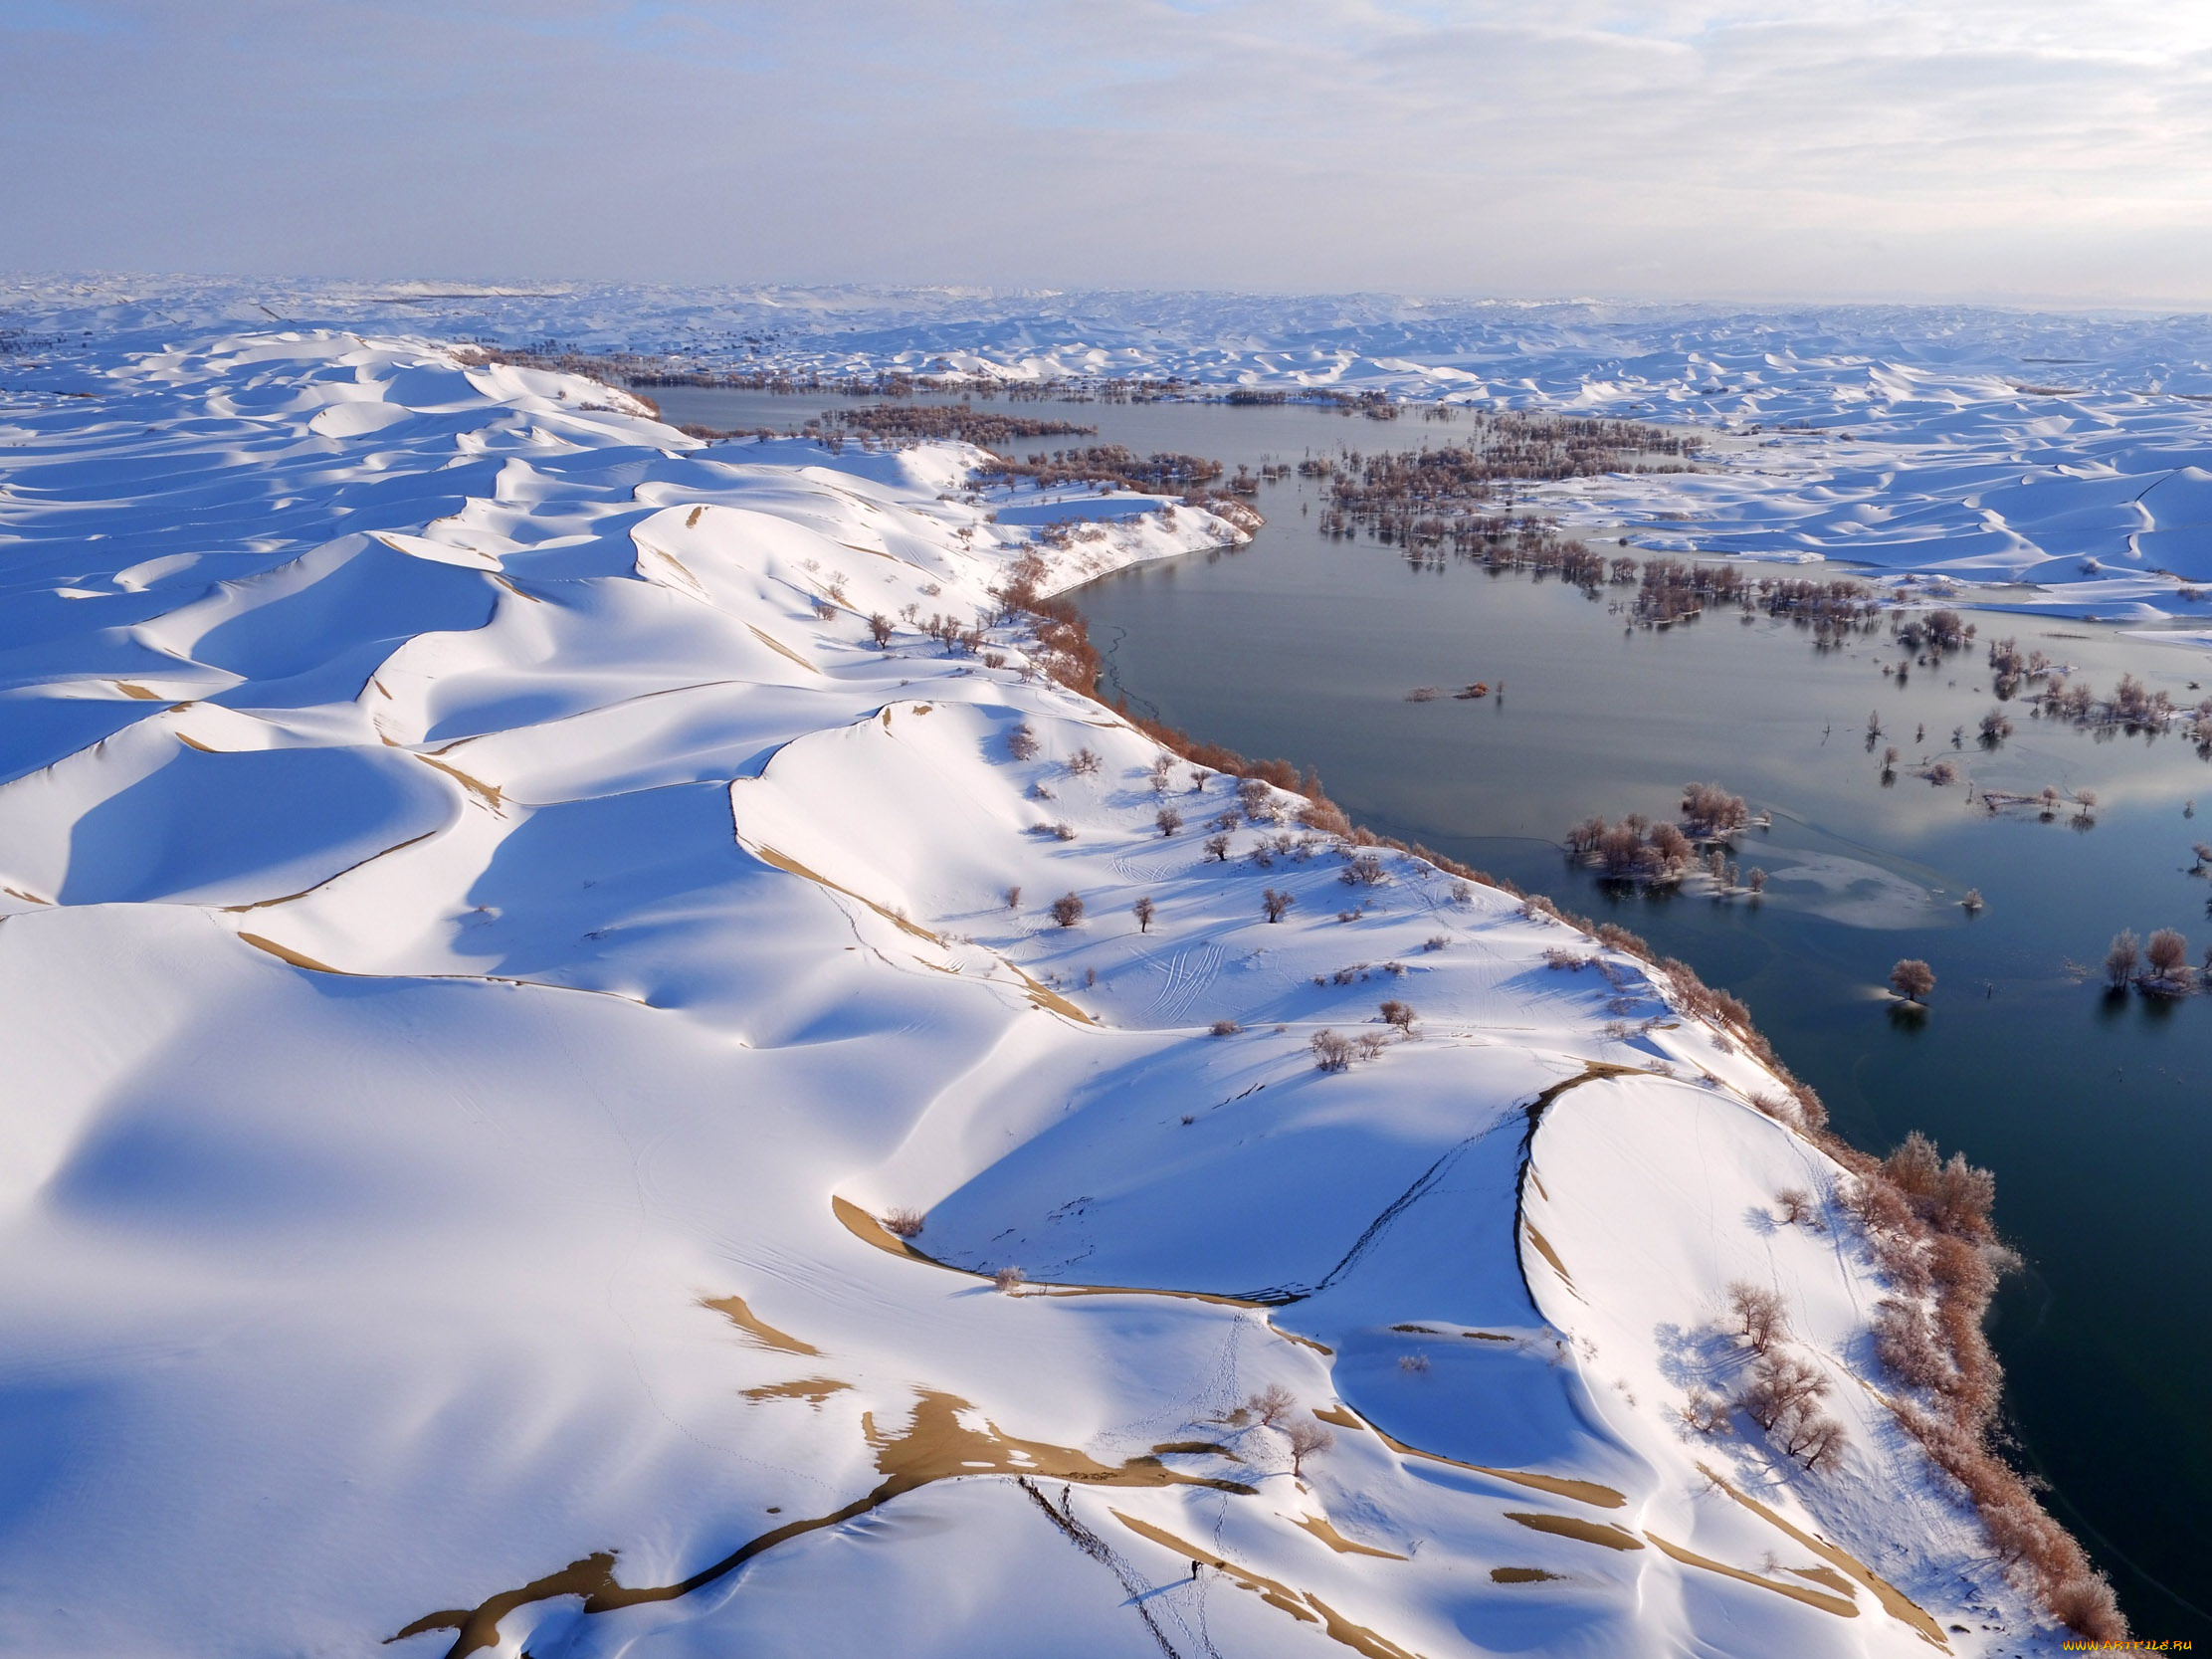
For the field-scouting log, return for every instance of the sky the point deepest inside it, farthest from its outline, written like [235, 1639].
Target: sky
[2021, 150]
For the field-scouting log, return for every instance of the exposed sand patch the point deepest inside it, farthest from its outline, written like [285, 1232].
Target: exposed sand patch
[1893, 1601]
[1841, 1606]
[1521, 1575]
[488, 793]
[813, 1389]
[733, 1309]
[1320, 1526]
[776, 645]
[1305, 1607]
[1603, 1532]
[868, 1231]
[936, 1446]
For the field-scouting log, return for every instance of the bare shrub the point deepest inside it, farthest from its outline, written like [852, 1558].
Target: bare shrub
[1063, 831]
[879, 630]
[1371, 1044]
[1021, 742]
[1217, 847]
[1144, 910]
[1013, 898]
[1399, 1014]
[1435, 942]
[2120, 959]
[1761, 1320]
[1276, 905]
[1084, 762]
[1307, 1439]
[1797, 1205]
[1911, 979]
[1365, 870]
[1331, 1052]
[1009, 1280]
[1705, 1412]
[1066, 910]
[1169, 820]
[1225, 1028]
[905, 1223]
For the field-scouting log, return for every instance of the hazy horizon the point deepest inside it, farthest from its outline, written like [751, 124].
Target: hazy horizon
[1677, 152]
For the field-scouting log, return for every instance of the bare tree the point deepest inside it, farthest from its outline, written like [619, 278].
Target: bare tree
[1066, 910]
[1168, 819]
[2120, 959]
[1779, 1382]
[1270, 1406]
[879, 630]
[1399, 1014]
[1143, 911]
[1911, 979]
[1760, 1316]
[1797, 1204]
[1217, 845]
[1021, 742]
[1308, 1438]
[1973, 902]
[1276, 905]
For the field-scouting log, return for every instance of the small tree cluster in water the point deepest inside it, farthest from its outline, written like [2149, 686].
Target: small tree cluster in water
[1663, 855]
[918, 423]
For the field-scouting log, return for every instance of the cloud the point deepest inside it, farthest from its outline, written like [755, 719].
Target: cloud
[1674, 148]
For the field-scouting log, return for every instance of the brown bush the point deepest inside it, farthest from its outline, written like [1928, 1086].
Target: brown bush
[1217, 847]
[905, 1223]
[1084, 762]
[1225, 1028]
[1066, 910]
[1399, 1014]
[1021, 742]
[1276, 905]
[1169, 820]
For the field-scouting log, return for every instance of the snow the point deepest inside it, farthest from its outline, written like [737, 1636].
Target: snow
[472, 896]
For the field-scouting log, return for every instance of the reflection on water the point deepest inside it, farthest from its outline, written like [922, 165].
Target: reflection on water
[2093, 1111]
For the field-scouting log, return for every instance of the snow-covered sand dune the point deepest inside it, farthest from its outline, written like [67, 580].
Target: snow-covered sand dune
[2070, 453]
[489, 938]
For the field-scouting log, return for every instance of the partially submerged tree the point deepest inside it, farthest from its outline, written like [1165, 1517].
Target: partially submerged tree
[2167, 955]
[1912, 979]
[2120, 959]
